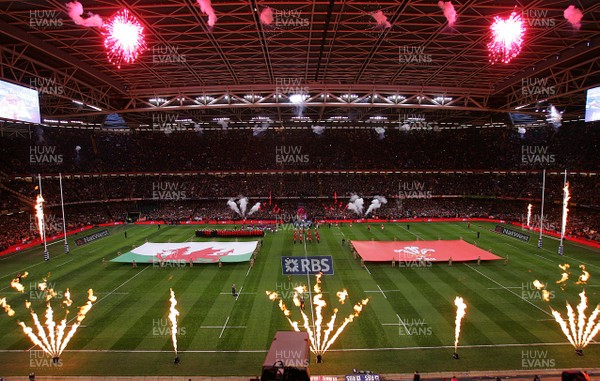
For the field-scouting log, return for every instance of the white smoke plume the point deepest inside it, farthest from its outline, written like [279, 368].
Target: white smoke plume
[254, 209]
[449, 11]
[207, 9]
[224, 123]
[381, 19]
[266, 16]
[380, 132]
[376, 204]
[257, 130]
[356, 204]
[75, 10]
[243, 201]
[554, 117]
[574, 16]
[318, 130]
[233, 206]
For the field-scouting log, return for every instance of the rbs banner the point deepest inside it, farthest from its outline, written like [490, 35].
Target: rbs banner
[307, 265]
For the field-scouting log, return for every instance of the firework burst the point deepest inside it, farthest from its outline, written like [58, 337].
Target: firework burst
[507, 38]
[124, 38]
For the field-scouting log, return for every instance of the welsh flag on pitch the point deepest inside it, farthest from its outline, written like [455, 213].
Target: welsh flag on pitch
[198, 252]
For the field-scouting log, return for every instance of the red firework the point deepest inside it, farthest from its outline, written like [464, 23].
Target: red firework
[124, 38]
[507, 38]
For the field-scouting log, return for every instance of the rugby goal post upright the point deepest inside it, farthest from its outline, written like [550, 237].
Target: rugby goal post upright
[540, 242]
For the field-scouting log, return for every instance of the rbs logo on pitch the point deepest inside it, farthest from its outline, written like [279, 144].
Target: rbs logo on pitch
[307, 265]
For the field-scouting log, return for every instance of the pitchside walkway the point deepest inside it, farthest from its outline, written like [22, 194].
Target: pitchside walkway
[525, 375]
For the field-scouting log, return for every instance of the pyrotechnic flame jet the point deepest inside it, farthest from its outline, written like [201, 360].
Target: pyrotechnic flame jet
[566, 198]
[9, 311]
[321, 338]
[173, 313]
[39, 214]
[16, 283]
[564, 276]
[542, 287]
[51, 337]
[461, 308]
[584, 277]
[578, 332]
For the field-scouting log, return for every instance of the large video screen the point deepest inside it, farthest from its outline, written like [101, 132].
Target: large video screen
[19, 103]
[592, 105]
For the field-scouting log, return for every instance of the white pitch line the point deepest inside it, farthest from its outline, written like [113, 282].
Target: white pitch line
[507, 289]
[249, 268]
[239, 293]
[416, 235]
[381, 291]
[515, 345]
[220, 327]
[225, 325]
[502, 288]
[245, 293]
[410, 334]
[66, 262]
[21, 271]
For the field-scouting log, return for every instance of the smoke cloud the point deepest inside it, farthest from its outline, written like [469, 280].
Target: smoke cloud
[449, 11]
[574, 16]
[254, 209]
[233, 206]
[319, 130]
[207, 9]
[75, 10]
[356, 204]
[376, 204]
[266, 16]
[381, 19]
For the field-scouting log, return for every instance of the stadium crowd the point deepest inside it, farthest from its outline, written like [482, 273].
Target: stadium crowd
[573, 146]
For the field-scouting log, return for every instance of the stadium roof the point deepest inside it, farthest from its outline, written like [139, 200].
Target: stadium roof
[333, 52]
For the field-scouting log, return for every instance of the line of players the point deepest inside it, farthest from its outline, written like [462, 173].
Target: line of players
[301, 234]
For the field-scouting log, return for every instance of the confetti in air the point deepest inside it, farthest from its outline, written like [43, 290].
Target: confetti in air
[507, 38]
[124, 38]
